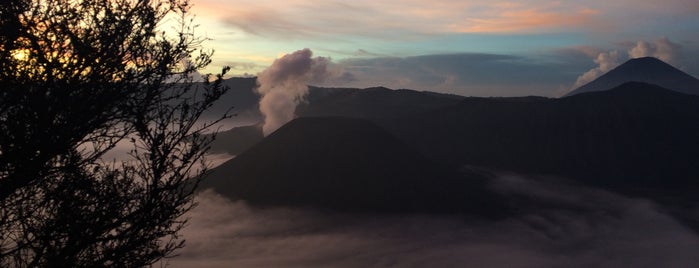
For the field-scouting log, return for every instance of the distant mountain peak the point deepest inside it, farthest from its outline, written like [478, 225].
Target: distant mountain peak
[378, 88]
[645, 60]
[647, 70]
[646, 64]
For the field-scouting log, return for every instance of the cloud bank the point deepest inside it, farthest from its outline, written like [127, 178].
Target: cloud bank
[561, 226]
[469, 74]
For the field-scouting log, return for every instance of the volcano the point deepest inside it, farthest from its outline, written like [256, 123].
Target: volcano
[647, 70]
[348, 165]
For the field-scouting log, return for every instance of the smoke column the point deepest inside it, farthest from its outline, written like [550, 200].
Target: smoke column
[662, 49]
[606, 61]
[284, 84]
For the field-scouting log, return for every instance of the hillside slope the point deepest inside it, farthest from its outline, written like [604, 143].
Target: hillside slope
[347, 164]
[634, 136]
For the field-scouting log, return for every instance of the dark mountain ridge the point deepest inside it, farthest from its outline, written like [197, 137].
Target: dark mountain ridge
[378, 104]
[241, 97]
[237, 140]
[636, 135]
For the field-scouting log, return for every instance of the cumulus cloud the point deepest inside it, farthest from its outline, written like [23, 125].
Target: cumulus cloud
[560, 226]
[662, 48]
[285, 83]
[606, 61]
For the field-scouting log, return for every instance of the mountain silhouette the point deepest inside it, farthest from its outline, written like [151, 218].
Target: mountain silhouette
[634, 137]
[237, 140]
[378, 104]
[349, 165]
[370, 103]
[241, 97]
[648, 70]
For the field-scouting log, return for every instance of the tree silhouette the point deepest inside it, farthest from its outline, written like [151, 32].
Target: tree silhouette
[79, 77]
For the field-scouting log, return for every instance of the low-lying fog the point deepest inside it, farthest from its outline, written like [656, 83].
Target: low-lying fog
[120, 153]
[585, 228]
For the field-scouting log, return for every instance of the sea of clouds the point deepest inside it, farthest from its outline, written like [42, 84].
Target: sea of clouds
[560, 225]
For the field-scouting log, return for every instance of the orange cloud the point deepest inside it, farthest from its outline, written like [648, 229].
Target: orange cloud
[513, 20]
[375, 18]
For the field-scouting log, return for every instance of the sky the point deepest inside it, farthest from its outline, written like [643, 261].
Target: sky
[467, 47]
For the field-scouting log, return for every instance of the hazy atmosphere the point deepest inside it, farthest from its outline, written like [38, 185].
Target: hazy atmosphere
[596, 210]
[471, 48]
[398, 133]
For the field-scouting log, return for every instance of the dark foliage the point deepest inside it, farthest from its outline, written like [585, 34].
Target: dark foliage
[77, 78]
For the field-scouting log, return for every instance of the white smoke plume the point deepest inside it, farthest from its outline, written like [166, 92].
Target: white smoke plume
[663, 49]
[606, 61]
[284, 84]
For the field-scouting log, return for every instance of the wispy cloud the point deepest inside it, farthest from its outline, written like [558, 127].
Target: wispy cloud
[304, 19]
[522, 17]
[299, 19]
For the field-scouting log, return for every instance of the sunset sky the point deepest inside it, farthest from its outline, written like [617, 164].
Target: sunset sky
[479, 48]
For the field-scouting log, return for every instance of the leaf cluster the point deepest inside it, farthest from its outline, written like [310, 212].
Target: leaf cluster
[79, 78]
